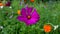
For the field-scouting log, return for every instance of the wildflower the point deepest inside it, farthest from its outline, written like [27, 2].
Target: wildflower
[29, 15]
[1, 5]
[19, 12]
[55, 27]
[8, 3]
[31, 0]
[10, 7]
[11, 16]
[47, 28]
[1, 27]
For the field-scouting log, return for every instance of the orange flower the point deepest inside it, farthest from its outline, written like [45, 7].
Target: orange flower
[19, 12]
[1, 4]
[47, 28]
[31, 0]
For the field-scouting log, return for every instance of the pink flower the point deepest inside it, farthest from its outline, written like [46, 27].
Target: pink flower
[8, 3]
[29, 15]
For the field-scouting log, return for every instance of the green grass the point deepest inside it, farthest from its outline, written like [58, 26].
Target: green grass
[49, 13]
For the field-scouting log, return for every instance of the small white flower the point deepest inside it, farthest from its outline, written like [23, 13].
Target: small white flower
[1, 7]
[10, 7]
[55, 27]
[1, 27]
[11, 16]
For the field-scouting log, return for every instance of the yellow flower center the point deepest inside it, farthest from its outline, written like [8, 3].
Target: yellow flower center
[29, 17]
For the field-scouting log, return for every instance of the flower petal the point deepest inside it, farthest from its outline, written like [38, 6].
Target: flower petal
[22, 18]
[31, 21]
[35, 17]
[35, 14]
[23, 11]
[29, 9]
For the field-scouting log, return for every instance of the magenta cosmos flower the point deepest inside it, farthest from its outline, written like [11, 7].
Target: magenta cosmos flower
[8, 3]
[29, 15]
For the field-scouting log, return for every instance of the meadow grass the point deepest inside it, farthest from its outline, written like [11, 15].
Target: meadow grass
[49, 13]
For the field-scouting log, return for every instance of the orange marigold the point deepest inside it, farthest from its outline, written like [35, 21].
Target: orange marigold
[47, 28]
[1, 4]
[31, 0]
